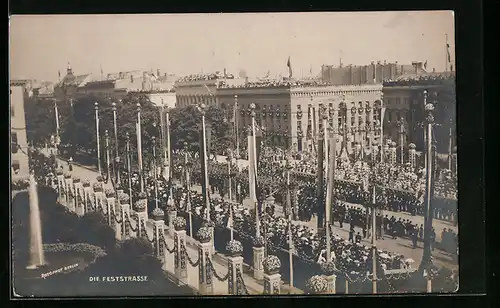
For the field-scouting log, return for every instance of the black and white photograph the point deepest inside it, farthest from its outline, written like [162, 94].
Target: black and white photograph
[233, 154]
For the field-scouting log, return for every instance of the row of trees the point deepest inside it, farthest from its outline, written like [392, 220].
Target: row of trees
[78, 128]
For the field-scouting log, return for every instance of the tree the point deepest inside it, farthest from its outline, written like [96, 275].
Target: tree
[40, 120]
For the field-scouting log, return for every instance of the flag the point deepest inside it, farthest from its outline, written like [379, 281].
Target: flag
[451, 67]
[289, 67]
[225, 74]
[425, 64]
[59, 73]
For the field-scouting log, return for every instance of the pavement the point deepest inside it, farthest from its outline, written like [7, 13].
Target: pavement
[219, 261]
[400, 245]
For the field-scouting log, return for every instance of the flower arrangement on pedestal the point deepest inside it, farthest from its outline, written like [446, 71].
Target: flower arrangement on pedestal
[158, 214]
[179, 223]
[97, 187]
[67, 176]
[234, 248]
[76, 179]
[271, 264]
[99, 178]
[258, 241]
[328, 268]
[208, 224]
[86, 183]
[316, 285]
[204, 235]
[123, 198]
[110, 193]
[431, 272]
[142, 195]
[140, 205]
[59, 172]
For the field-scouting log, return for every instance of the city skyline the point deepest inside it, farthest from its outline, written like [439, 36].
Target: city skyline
[183, 44]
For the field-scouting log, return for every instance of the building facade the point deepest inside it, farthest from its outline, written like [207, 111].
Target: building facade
[375, 73]
[69, 86]
[291, 115]
[19, 144]
[404, 99]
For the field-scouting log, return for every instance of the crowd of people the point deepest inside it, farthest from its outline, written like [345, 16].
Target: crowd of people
[428, 79]
[208, 76]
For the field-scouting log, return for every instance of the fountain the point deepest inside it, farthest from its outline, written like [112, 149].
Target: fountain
[36, 254]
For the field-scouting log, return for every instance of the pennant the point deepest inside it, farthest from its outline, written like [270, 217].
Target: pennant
[59, 73]
[289, 67]
[425, 64]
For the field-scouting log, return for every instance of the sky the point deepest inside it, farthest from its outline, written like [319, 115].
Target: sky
[183, 44]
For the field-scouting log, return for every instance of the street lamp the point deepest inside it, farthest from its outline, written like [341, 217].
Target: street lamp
[127, 149]
[155, 169]
[117, 157]
[96, 107]
[139, 146]
[382, 113]
[106, 136]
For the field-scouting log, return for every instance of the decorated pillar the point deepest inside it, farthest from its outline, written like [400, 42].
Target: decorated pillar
[272, 277]
[211, 226]
[110, 207]
[158, 227]
[67, 187]
[80, 208]
[258, 257]
[140, 211]
[172, 214]
[412, 155]
[374, 151]
[86, 196]
[60, 184]
[328, 269]
[205, 257]
[124, 200]
[235, 266]
[179, 253]
[385, 151]
[454, 164]
[316, 285]
[393, 153]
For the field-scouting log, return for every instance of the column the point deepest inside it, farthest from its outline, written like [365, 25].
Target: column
[86, 197]
[204, 254]
[125, 214]
[158, 227]
[328, 269]
[234, 265]
[272, 277]
[179, 253]
[172, 214]
[98, 200]
[68, 189]
[60, 185]
[141, 223]
[385, 151]
[332, 280]
[357, 149]
[258, 258]
[412, 155]
[110, 209]
[80, 206]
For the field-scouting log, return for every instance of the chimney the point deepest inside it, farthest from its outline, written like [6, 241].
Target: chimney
[158, 72]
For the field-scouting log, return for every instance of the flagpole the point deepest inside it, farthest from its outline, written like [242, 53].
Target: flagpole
[205, 162]
[96, 104]
[254, 163]
[289, 206]
[329, 194]
[235, 114]
[446, 53]
[139, 146]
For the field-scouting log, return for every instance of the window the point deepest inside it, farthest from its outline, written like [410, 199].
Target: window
[12, 113]
[299, 124]
[13, 141]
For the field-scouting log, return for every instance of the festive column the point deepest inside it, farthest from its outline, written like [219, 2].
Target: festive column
[60, 184]
[211, 226]
[258, 257]
[272, 277]
[234, 264]
[110, 207]
[67, 187]
[328, 269]
[140, 211]
[357, 150]
[412, 155]
[80, 208]
[179, 253]
[124, 200]
[172, 214]
[204, 254]
[158, 227]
